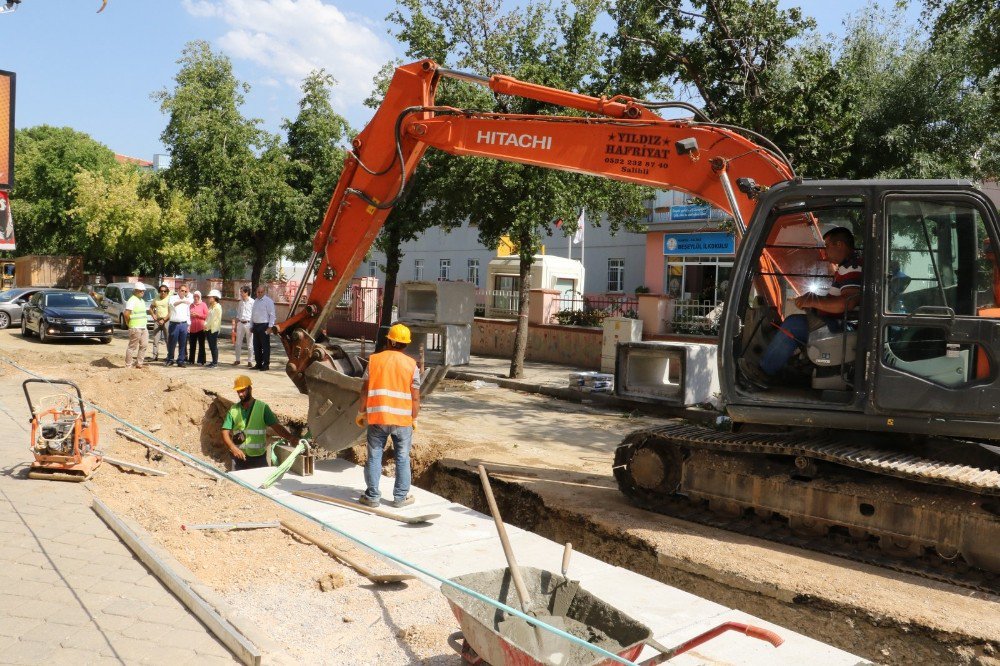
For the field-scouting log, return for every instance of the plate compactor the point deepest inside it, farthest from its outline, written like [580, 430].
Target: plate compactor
[63, 434]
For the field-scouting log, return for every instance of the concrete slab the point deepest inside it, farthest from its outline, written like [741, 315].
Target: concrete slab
[463, 541]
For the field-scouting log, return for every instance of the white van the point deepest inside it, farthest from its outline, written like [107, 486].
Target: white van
[116, 295]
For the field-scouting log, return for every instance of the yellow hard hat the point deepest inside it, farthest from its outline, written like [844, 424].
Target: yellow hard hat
[399, 333]
[242, 382]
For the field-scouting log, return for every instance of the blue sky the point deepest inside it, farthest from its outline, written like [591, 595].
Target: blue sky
[96, 72]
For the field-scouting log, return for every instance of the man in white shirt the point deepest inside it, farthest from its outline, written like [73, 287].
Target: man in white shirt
[180, 319]
[241, 325]
[262, 321]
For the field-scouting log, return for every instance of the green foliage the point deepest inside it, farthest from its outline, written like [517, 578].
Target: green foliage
[881, 104]
[127, 230]
[47, 161]
[316, 156]
[581, 317]
[239, 177]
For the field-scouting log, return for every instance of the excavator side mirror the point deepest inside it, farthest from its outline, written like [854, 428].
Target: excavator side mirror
[749, 187]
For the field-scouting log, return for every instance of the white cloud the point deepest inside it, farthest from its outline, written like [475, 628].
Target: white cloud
[288, 39]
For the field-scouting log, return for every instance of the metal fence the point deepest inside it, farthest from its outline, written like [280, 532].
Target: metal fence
[356, 315]
[497, 304]
[696, 317]
[609, 305]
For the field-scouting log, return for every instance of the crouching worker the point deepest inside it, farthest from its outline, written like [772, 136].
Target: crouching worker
[244, 431]
[390, 402]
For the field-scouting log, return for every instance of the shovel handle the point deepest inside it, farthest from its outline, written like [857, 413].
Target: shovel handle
[515, 572]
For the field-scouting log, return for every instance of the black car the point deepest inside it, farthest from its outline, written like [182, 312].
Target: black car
[59, 313]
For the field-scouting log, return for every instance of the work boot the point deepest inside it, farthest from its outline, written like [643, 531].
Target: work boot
[368, 501]
[407, 501]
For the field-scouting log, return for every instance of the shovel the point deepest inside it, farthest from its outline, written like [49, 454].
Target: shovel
[535, 641]
[566, 591]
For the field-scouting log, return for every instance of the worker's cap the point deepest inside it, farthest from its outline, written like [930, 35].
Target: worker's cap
[196, 293]
[215, 293]
[241, 382]
[399, 333]
[139, 286]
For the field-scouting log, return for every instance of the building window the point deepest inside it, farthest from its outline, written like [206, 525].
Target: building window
[473, 275]
[418, 269]
[616, 275]
[372, 268]
[444, 269]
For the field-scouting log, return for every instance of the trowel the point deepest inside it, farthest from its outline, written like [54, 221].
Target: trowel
[565, 591]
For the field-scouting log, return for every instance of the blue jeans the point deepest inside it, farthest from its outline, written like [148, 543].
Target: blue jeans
[794, 333]
[177, 340]
[402, 438]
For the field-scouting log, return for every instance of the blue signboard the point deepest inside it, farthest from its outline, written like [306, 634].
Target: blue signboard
[693, 212]
[716, 242]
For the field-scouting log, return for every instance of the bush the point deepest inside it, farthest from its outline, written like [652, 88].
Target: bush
[580, 317]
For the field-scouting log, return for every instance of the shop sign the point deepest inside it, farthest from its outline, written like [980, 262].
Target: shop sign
[704, 243]
[692, 212]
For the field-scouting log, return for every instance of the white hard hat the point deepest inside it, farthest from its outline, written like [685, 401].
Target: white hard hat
[215, 293]
[139, 286]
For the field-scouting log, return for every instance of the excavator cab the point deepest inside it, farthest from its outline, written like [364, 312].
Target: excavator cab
[921, 340]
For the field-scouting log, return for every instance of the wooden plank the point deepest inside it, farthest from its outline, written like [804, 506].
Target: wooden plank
[230, 636]
[138, 468]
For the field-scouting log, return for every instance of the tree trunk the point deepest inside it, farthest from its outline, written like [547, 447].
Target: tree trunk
[257, 271]
[521, 332]
[393, 259]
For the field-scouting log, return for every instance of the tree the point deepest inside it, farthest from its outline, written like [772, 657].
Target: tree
[213, 150]
[128, 231]
[316, 153]
[47, 162]
[974, 22]
[552, 46]
[930, 119]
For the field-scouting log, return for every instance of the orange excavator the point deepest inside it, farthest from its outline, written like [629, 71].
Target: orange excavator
[878, 438]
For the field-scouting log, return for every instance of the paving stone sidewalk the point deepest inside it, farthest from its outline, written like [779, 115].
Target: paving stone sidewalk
[70, 591]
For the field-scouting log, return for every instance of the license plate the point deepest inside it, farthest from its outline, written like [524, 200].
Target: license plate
[83, 329]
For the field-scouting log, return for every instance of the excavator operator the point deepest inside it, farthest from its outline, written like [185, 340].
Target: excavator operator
[843, 295]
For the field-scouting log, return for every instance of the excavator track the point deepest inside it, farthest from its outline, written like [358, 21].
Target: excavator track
[832, 493]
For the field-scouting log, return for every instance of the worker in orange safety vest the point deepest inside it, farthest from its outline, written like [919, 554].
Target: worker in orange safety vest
[389, 404]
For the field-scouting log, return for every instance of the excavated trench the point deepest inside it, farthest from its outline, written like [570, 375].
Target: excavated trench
[880, 639]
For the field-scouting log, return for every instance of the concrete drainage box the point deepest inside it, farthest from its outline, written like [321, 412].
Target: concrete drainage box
[672, 373]
[437, 302]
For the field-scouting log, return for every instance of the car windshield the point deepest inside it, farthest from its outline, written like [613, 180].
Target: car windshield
[69, 300]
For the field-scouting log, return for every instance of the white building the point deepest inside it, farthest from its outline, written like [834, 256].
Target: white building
[614, 264]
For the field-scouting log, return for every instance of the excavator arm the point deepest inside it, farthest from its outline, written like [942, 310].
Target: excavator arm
[619, 138]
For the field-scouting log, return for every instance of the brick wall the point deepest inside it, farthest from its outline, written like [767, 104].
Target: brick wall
[569, 345]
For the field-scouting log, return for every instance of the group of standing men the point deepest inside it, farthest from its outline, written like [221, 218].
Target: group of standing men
[179, 319]
[252, 326]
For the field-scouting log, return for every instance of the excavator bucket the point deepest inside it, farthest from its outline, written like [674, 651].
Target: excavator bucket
[334, 386]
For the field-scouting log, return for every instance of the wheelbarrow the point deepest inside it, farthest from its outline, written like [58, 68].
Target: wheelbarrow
[588, 618]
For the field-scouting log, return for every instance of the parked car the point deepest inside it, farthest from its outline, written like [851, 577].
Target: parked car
[96, 289]
[11, 302]
[60, 313]
[116, 295]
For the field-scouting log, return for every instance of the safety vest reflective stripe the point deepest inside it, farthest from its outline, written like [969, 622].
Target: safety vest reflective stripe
[390, 393]
[255, 429]
[389, 400]
[389, 410]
